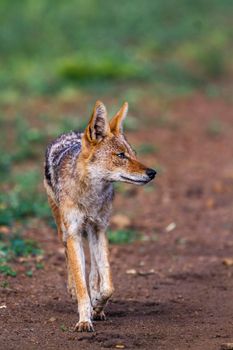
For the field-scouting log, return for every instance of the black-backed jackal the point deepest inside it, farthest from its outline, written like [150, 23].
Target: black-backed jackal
[80, 169]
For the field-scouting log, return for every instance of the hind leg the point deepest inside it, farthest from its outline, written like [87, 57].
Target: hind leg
[73, 222]
[56, 215]
[57, 218]
[70, 280]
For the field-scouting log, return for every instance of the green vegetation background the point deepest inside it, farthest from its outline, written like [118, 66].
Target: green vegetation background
[46, 44]
[64, 49]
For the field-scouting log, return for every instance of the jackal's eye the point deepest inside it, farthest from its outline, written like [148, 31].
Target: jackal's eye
[121, 155]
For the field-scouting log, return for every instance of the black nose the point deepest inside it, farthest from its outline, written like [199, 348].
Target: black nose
[151, 173]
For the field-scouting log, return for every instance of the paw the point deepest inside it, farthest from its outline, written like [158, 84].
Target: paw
[98, 315]
[84, 326]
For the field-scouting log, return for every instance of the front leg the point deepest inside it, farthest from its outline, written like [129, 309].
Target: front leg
[100, 277]
[73, 237]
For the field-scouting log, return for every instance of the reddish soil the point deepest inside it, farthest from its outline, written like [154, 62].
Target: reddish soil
[181, 294]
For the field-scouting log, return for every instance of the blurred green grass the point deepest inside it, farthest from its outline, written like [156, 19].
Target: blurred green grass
[21, 164]
[69, 49]
[22, 199]
[122, 236]
[13, 246]
[47, 45]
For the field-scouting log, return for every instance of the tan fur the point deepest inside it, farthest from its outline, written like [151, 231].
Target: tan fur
[80, 195]
[56, 215]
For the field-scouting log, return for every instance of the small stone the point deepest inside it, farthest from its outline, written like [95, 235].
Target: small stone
[119, 346]
[52, 319]
[170, 227]
[131, 272]
[228, 261]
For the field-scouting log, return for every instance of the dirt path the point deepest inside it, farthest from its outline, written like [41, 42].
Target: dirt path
[179, 294]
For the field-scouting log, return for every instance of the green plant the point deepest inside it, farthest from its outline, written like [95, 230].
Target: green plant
[14, 246]
[122, 236]
[29, 273]
[63, 328]
[23, 200]
[23, 247]
[92, 67]
[7, 270]
[39, 266]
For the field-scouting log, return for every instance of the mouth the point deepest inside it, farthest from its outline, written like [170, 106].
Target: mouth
[128, 179]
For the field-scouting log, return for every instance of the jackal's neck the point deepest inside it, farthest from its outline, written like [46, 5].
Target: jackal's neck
[94, 185]
[90, 182]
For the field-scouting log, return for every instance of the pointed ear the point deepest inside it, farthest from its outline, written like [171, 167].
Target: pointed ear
[98, 126]
[117, 121]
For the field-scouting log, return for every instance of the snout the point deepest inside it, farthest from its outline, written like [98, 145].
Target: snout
[150, 173]
[142, 179]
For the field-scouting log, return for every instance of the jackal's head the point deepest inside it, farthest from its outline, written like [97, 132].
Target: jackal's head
[107, 154]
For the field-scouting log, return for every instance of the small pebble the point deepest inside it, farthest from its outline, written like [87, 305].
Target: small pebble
[228, 262]
[131, 272]
[170, 227]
